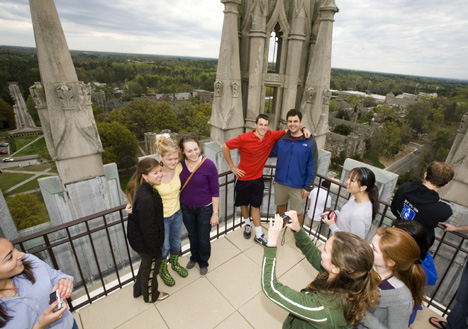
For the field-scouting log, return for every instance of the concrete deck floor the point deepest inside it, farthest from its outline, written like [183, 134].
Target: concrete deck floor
[229, 296]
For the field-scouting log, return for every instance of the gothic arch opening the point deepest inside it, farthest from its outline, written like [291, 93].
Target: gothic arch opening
[274, 51]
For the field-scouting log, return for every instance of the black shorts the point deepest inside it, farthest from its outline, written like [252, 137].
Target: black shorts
[249, 192]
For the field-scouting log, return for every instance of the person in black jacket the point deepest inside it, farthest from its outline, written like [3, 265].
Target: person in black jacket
[420, 201]
[145, 227]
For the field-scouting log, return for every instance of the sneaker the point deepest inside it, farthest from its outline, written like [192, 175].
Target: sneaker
[247, 231]
[261, 240]
[190, 265]
[203, 271]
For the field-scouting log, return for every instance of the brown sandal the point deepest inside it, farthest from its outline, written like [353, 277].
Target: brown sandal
[435, 322]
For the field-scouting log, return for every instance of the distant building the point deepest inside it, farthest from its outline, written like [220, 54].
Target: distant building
[99, 98]
[354, 144]
[402, 100]
[205, 96]
[379, 99]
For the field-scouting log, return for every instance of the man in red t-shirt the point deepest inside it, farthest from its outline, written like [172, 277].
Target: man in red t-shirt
[254, 148]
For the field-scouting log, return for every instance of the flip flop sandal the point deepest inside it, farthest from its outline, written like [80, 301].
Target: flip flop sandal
[435, 322]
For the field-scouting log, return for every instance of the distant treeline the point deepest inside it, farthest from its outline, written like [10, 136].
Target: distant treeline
[147, 74]
[383, 83]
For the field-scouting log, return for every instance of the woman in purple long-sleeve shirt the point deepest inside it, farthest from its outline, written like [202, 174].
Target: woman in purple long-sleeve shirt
[199, 198]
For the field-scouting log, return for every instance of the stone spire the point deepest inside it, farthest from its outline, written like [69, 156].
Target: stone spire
[458, 158]
[296, 39]
[227, 119]
[284, 48]
[257, 36]
[316, 93]
[63, 102]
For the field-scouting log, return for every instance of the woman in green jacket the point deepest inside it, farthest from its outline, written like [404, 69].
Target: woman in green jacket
[344, 288]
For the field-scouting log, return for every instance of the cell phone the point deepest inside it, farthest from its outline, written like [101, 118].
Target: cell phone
[286, 219]
[328, 216]
[55, 296]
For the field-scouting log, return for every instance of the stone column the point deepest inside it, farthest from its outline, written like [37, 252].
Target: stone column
[295, 46]
[64, 103]
[257, 38]
[458, 158]
[227, 119]
[316, 94]
[84, 186]
[7, 226]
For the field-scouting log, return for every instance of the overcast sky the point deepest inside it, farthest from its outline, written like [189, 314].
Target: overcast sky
[414, 37]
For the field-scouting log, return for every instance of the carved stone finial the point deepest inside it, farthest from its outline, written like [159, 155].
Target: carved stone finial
[218, 88]
[235, 89]
[66, 94]
[38, 95]
[326, 94]
[310, 94]
[85, 93]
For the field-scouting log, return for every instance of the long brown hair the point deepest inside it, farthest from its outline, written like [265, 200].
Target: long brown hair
[28, 274]
[398, 246]
[366, 177]
[356, 283]
[143, 168]
[187, 138]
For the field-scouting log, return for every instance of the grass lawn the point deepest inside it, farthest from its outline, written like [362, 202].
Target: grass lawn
[374, 159]
[35, 148]
[31, 185]
[8, 180]
[124, 181]
[23, 140]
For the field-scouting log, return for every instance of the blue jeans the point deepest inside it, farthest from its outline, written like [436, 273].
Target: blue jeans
[197, 223]
[172, 233]
[458, 316]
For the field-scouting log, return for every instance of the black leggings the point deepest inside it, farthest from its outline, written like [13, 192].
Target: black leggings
[147, 279]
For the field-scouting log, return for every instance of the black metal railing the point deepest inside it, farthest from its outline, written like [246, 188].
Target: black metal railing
[95, 250]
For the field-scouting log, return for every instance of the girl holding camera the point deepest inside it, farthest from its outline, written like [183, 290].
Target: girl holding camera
[340, 294]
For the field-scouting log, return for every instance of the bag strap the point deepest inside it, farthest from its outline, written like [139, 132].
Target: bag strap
[193, 172]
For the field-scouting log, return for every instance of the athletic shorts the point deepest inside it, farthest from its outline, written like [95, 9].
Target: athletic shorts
[249, 192]
[284, 193]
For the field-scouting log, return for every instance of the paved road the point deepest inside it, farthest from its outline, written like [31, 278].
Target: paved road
[23, 119]
[19, 161]
[24, 122]
[404, 164]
